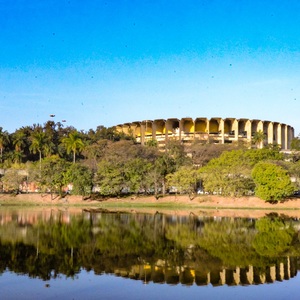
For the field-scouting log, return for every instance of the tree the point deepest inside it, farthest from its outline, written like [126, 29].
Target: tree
[175, 150]
[110, 178]
[93, 153]
[40, 143]
[184, 180]
[229, 174]
[294, 171]
[19, 141]
[81, 179]
[13, 157]
[123, 167]
[12, 179]
[152, 143]
[202, 153]
[258, 139]
[272, 182]
[73, 143]
[164, 165]
[4, 140]
[135, 173]
[295, 143]
[53, 174]
[253, 156]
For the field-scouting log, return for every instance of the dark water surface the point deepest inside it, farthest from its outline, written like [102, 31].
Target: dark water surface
[52, 254]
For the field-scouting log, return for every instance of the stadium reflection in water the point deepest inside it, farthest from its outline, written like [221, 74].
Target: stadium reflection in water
[187, 250]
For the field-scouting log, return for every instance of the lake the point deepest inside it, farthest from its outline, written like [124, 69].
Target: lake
[63, 254]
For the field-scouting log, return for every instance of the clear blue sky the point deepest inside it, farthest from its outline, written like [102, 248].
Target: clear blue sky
[109, 62]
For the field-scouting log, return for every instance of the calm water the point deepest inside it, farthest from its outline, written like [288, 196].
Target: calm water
[52, 254]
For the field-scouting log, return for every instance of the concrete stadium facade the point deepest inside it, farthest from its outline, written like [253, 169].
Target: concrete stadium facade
[214, 130]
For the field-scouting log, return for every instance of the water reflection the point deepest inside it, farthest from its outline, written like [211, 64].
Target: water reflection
[190, 250]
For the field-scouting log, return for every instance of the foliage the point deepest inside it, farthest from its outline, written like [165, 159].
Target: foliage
[272, 182]
[151, 143]
[12, 179]
[73, 143]
[135, 172]
[81, 179]
[295, 143]
[41, 143]
[110, 178]
[53, 174]
[4, 141]
[274, 237]
[258, 139]
[184, 180]
[93, 153]
[253, 156]
[294, 171]
[117, 164]
[175, 150]
[203, 153]
[230, 174]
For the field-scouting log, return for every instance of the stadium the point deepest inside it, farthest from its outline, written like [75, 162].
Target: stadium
[213, 130]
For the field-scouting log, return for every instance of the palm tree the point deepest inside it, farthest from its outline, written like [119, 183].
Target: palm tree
[258, 139]
[19, 141]
[73, 143]
[4, 140]
[15, 156]
[40, 143]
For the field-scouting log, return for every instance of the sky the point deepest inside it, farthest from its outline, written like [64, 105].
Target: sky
[110, 62]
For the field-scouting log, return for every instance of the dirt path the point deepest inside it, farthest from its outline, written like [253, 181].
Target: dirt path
[178, 205]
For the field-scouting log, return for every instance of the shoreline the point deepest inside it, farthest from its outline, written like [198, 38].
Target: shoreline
[208, 205]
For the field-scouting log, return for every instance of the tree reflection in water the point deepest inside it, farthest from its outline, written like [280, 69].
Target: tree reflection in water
[158, 248]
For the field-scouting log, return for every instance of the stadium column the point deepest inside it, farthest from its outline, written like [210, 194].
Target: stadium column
[279, 135]
[270, 132]
[143, 134]
[235, 128]
[248, 128]
[286, 137]
[222, 130]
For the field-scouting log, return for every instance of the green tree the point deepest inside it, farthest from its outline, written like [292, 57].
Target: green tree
[175, 150]
[20, 141]
[53, 174]
[81, 179]
[230, 174]
[73, 143]
[202, 153]
[40, 143]
[295, 143]
[164, 165]
[13, 157]
[135, 173]
[258, 139]
[110, 178]
[93, 153]
[272, 182]
[12, 179]
[253, 156]
[4, 140]
[152, 143]
[184, 180]
[294, 171]
[125, 166]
